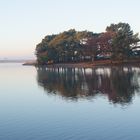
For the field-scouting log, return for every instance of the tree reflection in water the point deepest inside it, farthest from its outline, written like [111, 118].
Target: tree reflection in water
[119, 84]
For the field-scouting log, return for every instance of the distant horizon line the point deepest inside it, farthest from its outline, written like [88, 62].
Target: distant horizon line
[10, 60]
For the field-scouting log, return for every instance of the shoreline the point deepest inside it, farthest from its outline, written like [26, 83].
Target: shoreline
[86, 64]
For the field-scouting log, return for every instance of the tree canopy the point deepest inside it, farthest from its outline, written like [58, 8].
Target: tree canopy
[74, 46]
[123, 40]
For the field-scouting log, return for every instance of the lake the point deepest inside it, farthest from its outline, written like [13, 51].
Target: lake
[69, 104]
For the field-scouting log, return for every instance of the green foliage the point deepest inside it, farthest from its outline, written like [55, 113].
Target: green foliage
[73, 46]
[64, 47]
[123, 40]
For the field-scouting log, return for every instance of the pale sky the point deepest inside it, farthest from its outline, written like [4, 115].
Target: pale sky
[23, 23]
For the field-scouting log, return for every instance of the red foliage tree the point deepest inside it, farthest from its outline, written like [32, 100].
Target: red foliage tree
[100, 45]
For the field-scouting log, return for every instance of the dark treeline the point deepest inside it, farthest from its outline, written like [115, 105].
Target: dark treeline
[116, 43]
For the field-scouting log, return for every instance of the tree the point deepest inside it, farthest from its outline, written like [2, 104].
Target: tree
[122, 41]
[99, 45]
[91, 48]
[63, 47]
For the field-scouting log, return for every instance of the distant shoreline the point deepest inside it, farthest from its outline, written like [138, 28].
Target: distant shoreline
[16, 61]
[12, 61]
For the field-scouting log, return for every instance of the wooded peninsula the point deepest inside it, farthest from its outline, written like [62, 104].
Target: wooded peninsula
[117, 44]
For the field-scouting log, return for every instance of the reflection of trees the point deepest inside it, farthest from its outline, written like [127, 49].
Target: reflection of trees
[123, 86]
[119, 83]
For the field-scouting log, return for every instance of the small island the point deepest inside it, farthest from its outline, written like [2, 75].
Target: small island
[117, 45]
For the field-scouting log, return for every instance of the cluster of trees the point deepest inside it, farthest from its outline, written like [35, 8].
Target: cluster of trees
[76, 46]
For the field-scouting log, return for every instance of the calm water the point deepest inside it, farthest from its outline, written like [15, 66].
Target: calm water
[69, 104]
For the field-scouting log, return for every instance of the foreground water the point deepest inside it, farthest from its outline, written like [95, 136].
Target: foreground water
[69, 104]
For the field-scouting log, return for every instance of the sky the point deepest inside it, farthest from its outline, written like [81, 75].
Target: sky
[24, 23]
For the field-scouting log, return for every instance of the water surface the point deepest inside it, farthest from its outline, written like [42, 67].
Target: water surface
[69, 104]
